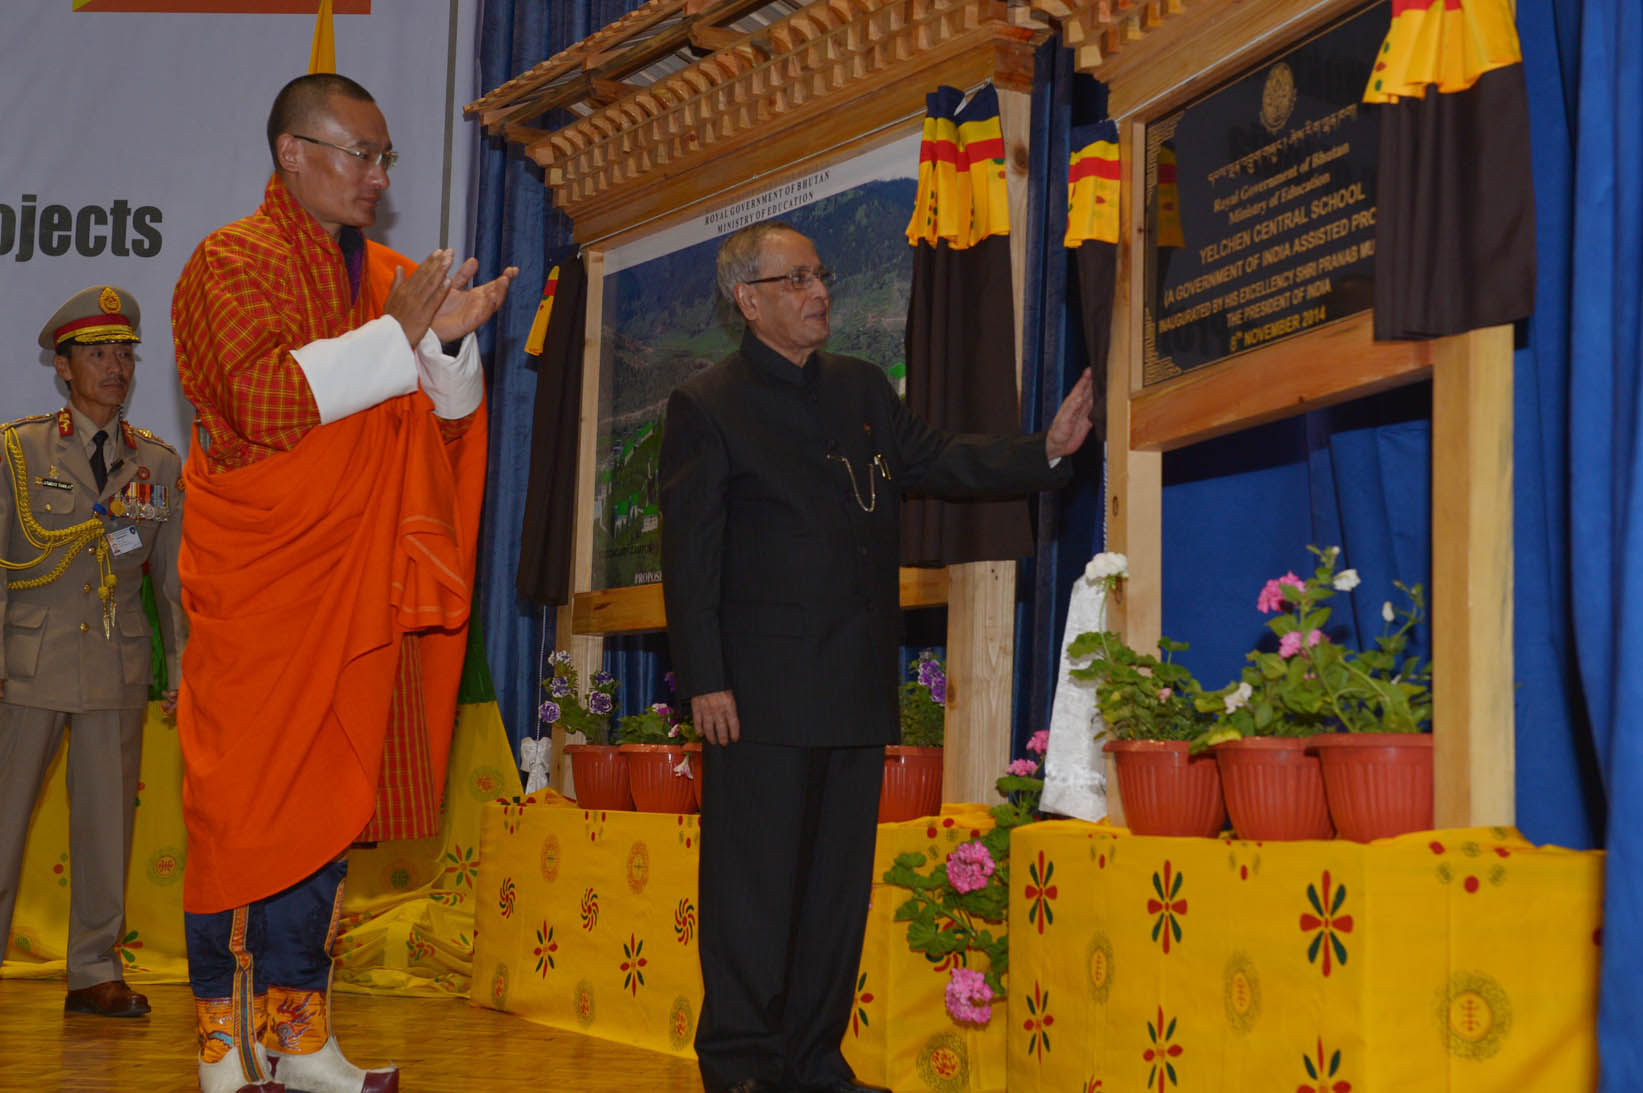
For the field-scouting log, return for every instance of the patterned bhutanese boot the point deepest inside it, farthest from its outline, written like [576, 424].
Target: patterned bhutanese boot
[305, 1054]
[224, 1068]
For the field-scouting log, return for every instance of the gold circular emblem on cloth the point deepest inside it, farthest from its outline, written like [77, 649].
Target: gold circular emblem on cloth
[1476, 1015]
[109, 300]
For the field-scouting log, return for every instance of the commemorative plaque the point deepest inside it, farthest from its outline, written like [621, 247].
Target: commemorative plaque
[1260, 204]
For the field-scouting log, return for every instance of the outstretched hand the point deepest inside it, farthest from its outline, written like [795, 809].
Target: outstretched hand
[465, 309]
[415, 300]
[1072, 422]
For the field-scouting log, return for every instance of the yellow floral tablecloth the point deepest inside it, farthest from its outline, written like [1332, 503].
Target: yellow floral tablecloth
[587, 921]
[1451, 960]
[408, 906]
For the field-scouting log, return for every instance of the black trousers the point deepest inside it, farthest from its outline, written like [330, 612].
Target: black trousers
[786, 874]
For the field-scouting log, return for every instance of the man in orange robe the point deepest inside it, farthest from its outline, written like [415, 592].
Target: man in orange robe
[327, 562]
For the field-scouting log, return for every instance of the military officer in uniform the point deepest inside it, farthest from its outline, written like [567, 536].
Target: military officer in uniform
[86, 501]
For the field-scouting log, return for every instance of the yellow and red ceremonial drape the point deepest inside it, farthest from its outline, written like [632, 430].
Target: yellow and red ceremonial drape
[1455, 224]
[1092, 186]
[1092, 235]
[1445, 44]
[961, 321]
[962, 195]
[544, 315]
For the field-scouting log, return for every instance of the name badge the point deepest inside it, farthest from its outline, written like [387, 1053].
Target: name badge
[124, 541]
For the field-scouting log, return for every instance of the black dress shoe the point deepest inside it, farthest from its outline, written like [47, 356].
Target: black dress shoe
[749, 1085]
[846, 1085]
[111, 999]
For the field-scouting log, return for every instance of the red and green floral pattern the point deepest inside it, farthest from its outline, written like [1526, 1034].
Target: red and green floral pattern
[1040, 892]
[1039, 1020]
[1321, 1073]
[1327, 924]
[1167, 906]
[1163, 1052]
[633, 964]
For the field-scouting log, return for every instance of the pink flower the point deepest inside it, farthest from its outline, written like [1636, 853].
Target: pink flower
[969, 997]
[969, 866]
[1164, 693]
[1272, 596]
[1039, 742]
[1024, 767]
[1290, 643]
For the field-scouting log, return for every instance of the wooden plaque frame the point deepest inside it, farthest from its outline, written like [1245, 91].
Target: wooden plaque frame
[1155, 58]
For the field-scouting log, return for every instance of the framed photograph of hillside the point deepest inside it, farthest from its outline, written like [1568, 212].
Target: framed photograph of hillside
[662, 322]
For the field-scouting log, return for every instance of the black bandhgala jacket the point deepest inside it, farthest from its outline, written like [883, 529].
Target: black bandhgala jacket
[780, 585]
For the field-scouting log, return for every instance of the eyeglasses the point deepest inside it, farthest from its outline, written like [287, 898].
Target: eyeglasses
[385, 160]
[798, 278]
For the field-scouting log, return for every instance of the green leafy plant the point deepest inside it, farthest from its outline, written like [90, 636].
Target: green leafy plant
[960, 904]
[1140, 696]
[569, 708]
[658, 723]
[1311, 684]
[923, 702]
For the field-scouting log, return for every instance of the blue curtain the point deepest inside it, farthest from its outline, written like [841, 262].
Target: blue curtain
[1580, 370]
[1068, 524]
[516, 223]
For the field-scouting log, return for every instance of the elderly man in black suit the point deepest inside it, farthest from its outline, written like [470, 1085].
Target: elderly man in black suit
[782, 470]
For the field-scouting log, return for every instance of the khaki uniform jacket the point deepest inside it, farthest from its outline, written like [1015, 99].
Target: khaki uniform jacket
[55, 655]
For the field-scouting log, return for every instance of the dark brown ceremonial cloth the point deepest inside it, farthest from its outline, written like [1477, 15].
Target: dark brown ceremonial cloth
[1455, 223]
[961, 378]
[550, 494]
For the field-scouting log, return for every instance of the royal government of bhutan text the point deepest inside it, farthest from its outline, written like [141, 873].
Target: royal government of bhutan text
[29, 228]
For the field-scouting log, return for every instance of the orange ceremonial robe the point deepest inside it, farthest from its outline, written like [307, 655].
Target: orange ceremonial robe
[305, 570]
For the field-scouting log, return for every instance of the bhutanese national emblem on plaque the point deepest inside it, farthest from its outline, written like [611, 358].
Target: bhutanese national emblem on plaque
[1277, 97]
[109, 300]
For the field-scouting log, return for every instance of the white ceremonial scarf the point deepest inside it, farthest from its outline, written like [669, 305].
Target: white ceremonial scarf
[1075, 780]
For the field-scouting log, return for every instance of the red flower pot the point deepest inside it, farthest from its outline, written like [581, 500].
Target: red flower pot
[1379, 784]
[1274, 789]
[694, 750]
[601, 776]
[656, 788]
[1166, 791]
[912, 783]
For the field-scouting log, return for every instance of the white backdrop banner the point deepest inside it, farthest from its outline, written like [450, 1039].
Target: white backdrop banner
[131, 134]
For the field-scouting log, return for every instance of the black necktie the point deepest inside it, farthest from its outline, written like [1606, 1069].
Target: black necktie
[99, 469]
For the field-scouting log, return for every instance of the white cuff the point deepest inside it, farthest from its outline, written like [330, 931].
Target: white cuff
[456, 385]
[368, 365]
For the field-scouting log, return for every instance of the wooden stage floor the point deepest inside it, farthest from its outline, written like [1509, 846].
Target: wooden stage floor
[442, 1045]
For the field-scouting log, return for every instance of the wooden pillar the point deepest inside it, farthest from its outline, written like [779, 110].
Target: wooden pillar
[587, 650]
[1135, 479]
[1472, 677]
[981, 595]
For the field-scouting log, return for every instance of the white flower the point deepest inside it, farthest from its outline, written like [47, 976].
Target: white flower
[1386, 611]
[1105, 566]
[1346, 580]
[1238, 698]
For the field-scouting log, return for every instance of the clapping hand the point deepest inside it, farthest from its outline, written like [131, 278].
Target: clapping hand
[414, 301]
[466, 309]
